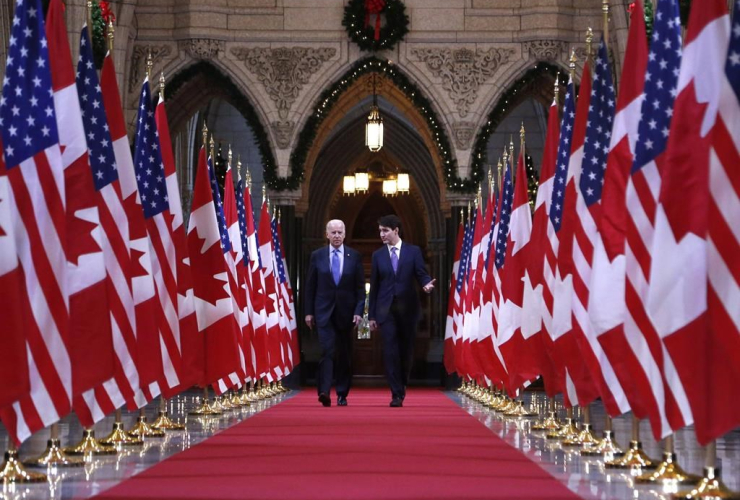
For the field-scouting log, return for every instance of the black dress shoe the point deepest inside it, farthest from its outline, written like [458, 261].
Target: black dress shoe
[396, 403]
[342, 401]
[324, 399]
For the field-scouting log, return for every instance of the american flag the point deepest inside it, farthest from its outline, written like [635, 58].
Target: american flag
[93, 405]
[37, 197]
[470, 315]
[286, 307]
[584, 219]
[222, 229]
[638, 351]
[287, 291]
[274, 334]
[150, 178]
[460, 290]
[449, 342]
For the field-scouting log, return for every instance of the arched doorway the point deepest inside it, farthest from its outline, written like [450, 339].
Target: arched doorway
[342, 151]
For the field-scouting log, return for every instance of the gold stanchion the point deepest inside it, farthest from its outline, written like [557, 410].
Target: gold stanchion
[244, 398]
[12, 470]
[635, 458]
[668, 471]
[710, 486]
[551, 423]
[282, 388]
[606, 446]
[252, 393]
[519, 411]
[89, 446]
[585, 438]
[164, 422]
[568, 430]
[205, 407]
[235, 400]
[54, 455]
[119, 437]
[143, 429]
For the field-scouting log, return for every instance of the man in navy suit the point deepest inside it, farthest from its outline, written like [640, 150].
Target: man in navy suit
[394, 302]
[335, 298]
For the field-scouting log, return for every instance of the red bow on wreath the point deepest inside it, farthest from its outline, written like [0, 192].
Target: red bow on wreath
[374, 7]
[631, 7]
[106, 13]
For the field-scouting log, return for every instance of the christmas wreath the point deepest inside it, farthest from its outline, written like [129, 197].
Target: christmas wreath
[362, 21]
[102, 14]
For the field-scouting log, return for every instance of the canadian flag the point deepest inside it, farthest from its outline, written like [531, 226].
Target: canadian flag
[449, 342]
[216, 354]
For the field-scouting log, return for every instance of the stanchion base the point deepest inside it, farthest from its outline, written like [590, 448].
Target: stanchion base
[282, 387]
[165, 423]
[236, 401]
[245, 400]
[567, 431]
[550, 424]
[120, 437]
[205, 409]
[585, 438]
[668, 472]
[143, 429]
[89, 446]
[520, 412]
[605, 447]
[54, 456]
[12, 471]
[710, 487]
[633, 459]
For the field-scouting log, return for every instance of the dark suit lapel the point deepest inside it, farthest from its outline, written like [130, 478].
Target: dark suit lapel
[403, 257]
[348, 264]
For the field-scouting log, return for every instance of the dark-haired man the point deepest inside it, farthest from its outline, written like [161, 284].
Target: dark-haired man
[394, 302]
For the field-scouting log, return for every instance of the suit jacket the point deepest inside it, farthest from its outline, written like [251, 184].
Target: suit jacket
[385, 284]
[324, 297]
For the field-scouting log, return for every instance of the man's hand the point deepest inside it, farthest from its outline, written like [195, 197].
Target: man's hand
[309, 321]
[373, 325]
[356, 319]
[429, 286]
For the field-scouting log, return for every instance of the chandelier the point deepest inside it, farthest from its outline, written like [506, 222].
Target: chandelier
[374, 125]
[392, 180]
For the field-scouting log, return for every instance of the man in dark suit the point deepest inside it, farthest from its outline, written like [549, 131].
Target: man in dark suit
[335, 298]
[394, 302]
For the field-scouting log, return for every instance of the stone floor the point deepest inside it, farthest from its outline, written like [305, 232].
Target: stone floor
[587, 476]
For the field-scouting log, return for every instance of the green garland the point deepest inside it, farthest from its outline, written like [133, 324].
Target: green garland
[395, 28]
[100, 45]
[499, 112]
[235, 98]
[330, 97]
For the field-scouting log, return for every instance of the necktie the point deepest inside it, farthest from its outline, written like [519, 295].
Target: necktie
[335, 267]
[394, 259]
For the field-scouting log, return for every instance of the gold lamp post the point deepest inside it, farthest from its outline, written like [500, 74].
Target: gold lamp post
[374, 125]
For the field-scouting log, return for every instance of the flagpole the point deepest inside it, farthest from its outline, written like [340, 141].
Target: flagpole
[711, 486]
[118, 436]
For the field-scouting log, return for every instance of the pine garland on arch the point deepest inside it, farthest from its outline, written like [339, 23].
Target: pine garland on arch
[329, 98]
[362, 23]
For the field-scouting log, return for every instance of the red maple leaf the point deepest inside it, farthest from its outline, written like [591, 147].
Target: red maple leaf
[80, 195]
[205, 268]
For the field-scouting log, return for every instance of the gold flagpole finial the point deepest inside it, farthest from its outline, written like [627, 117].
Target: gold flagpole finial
[469, 216]
[205, 135]
[490, 177]
[264, 197]
[557, 88]
[149, 63]
[248, 177]
[511, 149]
[479, 197]
[462, 215]
[500, 168]
[162, 82]
[212, 147]
[230, 156]
[589, 42]
[521, 136]
[111, 32]
[572, 64]
[239, 167]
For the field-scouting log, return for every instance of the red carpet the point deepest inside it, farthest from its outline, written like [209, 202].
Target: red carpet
[429, 449]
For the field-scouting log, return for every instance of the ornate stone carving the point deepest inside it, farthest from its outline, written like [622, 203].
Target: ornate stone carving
[283, 131]
[544, 50]
[138, 62]
[464, 133]
[463, 71]
[202, 48]
[283, 71]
